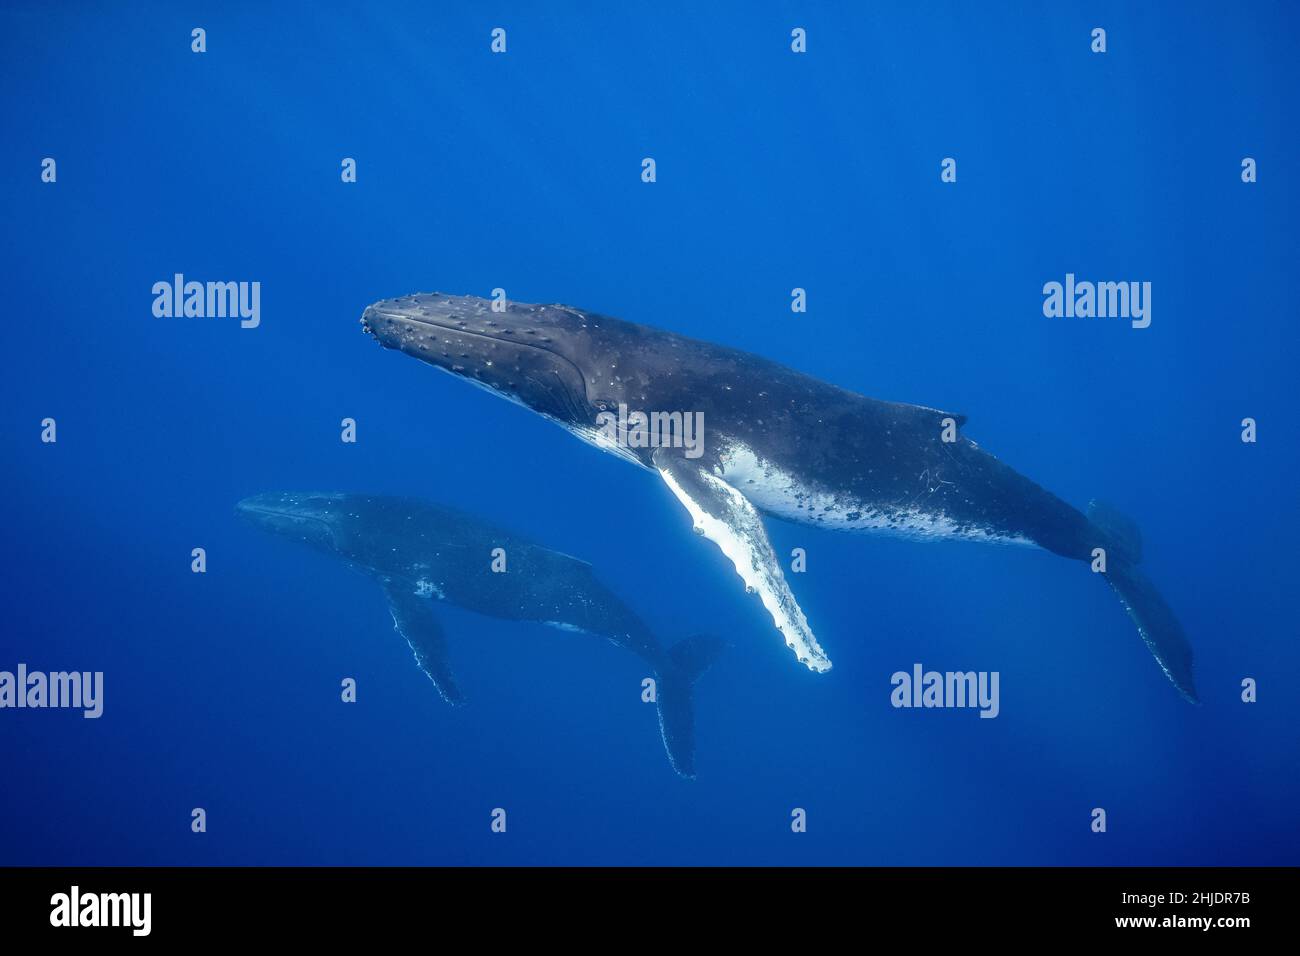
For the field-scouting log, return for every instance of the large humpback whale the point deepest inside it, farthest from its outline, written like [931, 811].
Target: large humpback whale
[777, 442]
[417, 552]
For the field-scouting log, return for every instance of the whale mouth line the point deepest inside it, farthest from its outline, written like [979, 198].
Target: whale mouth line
[280, 519]
[448, 326]
[270, 511]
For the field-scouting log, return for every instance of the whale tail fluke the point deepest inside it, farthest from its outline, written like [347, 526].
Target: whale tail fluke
[1154, 618]
[686, 662]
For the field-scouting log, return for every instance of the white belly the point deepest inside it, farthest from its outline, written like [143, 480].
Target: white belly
[782, 494]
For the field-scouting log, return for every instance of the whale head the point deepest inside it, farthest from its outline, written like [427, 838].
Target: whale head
[558, 361]
[318, 520]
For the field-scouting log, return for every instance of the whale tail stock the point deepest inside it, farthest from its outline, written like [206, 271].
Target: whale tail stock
[1154, 618]
[685, 663]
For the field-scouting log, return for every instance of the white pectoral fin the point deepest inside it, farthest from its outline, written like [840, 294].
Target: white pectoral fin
[729, 520]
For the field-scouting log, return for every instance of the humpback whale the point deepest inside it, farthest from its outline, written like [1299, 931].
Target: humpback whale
[417, 552]
[778, 443]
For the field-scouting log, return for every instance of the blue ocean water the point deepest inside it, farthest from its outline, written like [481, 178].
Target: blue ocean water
[775, 170]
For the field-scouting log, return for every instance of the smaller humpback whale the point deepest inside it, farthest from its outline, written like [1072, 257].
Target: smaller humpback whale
[777, 442]
[417, 551]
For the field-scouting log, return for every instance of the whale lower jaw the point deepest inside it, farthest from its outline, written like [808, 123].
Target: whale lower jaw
[786, 496]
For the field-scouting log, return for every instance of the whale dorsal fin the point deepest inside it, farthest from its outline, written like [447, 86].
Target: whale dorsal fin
[414, 619]
[728, 519]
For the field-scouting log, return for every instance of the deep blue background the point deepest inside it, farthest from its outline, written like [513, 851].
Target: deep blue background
[523, 171]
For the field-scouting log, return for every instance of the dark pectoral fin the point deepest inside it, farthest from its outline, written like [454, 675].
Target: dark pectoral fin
[414, 619]
[686, 662]
[1157, 624]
